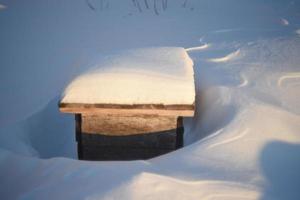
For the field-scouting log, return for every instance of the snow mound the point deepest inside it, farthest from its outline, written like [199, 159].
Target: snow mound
[203, 189]
[243, 142]
[144, 76]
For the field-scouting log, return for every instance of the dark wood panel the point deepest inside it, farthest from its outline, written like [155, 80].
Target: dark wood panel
[109, 153]
[165, 139]
[179, 133]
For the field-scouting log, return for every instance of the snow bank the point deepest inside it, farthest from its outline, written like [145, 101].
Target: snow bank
[243, 142]
[144, 76]
[167, 185]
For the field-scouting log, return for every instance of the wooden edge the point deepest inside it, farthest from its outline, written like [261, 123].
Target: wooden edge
[179, 133]
[118, 109]
[78, 121]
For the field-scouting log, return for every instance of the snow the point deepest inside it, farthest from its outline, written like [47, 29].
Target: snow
[243, 143]
[226, 58]
[198, 48]
[144, 76]
[284, 22]
[2, 7]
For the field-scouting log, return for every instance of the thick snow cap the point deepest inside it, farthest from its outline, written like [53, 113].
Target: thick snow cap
[143, 76]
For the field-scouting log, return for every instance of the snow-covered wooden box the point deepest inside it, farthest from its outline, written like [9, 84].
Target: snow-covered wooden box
[131, 105]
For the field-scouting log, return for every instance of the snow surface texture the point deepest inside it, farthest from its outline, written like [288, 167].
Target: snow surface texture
[243, 143]
[143, 76]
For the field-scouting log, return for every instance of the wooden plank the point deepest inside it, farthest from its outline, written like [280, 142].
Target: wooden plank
[78, 123]
[118, 109]
[127, 125]
[78, 126]
[179, 133]
[129, 106]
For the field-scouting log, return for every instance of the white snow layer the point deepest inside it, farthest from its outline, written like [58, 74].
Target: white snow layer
[243, 143]
[144, 76]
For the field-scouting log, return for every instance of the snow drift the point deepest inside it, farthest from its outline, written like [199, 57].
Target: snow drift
[243, 143]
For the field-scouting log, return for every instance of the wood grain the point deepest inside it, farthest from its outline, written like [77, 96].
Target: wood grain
[126, 125]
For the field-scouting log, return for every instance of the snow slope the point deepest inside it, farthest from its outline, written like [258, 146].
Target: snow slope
[243, 143]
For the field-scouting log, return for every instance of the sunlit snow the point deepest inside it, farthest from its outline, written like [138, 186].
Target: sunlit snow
[243, 143]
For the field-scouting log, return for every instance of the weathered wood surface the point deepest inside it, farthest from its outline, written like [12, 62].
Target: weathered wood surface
[126, 125]
[117, 109]
[145, 145]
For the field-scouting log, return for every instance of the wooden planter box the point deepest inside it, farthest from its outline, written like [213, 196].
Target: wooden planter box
[130, 106]
[127, 133]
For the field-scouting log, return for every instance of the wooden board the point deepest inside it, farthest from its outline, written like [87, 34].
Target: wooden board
[135, 109]
[127, 147]
[126, 125]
